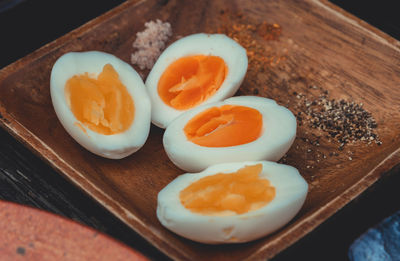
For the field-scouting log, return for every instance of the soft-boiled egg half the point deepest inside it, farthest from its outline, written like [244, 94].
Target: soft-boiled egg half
[102, 103]
[237, 129]
[232, 202]
[196, 69]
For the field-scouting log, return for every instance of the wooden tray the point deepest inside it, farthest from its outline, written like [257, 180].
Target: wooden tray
[39, 235]
[322, 46]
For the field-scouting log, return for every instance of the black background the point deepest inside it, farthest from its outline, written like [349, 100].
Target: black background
[25, 179]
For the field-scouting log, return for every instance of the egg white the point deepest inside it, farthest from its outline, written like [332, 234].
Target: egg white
[231, 52]
[278, 134]
[291, 191]
[114, 146]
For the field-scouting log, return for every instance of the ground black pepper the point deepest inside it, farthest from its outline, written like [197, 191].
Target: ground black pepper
[344, 121]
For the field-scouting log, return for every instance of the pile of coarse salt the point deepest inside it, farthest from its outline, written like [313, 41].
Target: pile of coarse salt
[150, 43]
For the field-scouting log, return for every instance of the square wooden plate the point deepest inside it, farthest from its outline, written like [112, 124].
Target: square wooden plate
[320, 45]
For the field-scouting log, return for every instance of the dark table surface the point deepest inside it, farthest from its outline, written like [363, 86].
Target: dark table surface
[26, 179]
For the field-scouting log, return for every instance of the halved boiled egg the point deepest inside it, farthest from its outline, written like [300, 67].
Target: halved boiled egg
[238, 129]
[102, 103]
[232, 202]
[197, 69]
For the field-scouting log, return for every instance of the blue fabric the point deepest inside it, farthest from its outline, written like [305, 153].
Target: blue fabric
[381, 243]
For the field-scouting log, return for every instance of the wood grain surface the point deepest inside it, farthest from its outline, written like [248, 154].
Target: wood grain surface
[322, 46]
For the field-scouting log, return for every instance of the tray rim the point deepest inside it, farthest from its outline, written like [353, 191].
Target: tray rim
[45, 153]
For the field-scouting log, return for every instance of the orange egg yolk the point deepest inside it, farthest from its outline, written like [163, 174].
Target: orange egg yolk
[103, 104]
[191, 80]
[221, 194]
[228, 125]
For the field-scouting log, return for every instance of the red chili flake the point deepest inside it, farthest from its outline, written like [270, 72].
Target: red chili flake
[253, 36]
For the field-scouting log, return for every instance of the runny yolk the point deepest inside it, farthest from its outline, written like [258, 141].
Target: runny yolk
[228, 125]
[222, 194]
[191, 80]
[103, 104]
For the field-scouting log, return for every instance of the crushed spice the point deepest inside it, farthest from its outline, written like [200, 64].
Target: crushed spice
[269, 31]
[252, 36]
[150, 43]
[343, 121]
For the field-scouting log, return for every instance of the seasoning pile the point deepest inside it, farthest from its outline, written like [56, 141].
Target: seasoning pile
[344, 121]
[252, 36]
[150, 43]
[243, 32]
